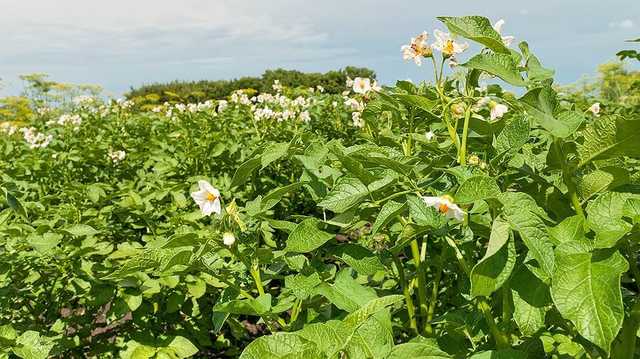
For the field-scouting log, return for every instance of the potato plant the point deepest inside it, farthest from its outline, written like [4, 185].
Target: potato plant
[480, 215]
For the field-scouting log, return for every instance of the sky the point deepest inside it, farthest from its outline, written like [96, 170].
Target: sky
[118, 44]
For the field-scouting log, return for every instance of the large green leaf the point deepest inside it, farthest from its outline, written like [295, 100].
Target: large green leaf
[476, 188]
[604, 216]
[513, 136]
[417, 351]
[244, 171]
[359, 258]
[542, 104]
[501, 65]
[478, 29]
[493, 270]
[526, 218]
[281, 346]
[306, 237]
[609, 137]
[530, 299]
[347, 192]
[273, 153]
[346, 293]
[586, 290]
[389, 210]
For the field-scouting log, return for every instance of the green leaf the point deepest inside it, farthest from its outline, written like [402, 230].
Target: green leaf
[513, 136]
[30, 345]
[243, 173]
[586, 290]
[424, 215]
[346, 293]
[542, 104]
[609, 137]
[569, 230]
[273, 153]
[301, 285]
[281, 346]
[500, 354]
[359, 258]
[525, 217]
[347, 192]
[182, 347]
[79, 230]
[307, 237]
[476, 188]
[389, 210]
[273, 197]
[530, 299]
[417, 351]
[493, 270]
[604, 216]
[601, 180]
[358, 317]
[257, 306]
[501, 65]
[478, 29]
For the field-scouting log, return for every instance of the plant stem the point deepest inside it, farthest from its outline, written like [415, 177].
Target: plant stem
[500, 338]
[465, 133]
[422, 287]
[255, 273]
[407, 295]
[626, 346]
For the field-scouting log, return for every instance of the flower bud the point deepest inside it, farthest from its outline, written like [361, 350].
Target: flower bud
[228, 239]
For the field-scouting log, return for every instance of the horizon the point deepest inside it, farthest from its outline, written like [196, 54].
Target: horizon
[157, 42]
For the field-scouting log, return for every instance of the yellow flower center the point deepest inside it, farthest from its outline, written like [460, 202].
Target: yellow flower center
[443, 208]
[211, 197]
[448, 47]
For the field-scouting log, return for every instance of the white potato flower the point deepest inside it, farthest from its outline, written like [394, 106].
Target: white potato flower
[429, 135]
[361, 85]
[207, 198]
[444, 205]
[445, 44]
[228, 239]
[417, 49]
[116, 156]
[595, 109]
[506, 40]
[497, 110]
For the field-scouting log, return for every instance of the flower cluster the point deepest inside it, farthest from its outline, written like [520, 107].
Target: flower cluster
[361, 86]
[8, 128]
[34, 138]
[116, 156]
[66, 119]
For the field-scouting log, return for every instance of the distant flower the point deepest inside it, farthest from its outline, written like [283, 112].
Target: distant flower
[497, 110]
[228, 239]
[507, 40]
[417, 49]
[304, 116]
[444, 205]
[207, 198]
[277, 86]
[354, 104]
[349, 82]
[222, 104]
[445, 44]
[116, 156]
[356, 117]
[375, 86]
[361, 85]
[320, 88]
[473, 160]
[595, 109]
[457, 110]
[429, 135]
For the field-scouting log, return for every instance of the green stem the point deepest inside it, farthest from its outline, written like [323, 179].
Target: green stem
[407, 294]
[255, 273]
[434, 298]
[465, 133]
[422, 286]
[502, 341]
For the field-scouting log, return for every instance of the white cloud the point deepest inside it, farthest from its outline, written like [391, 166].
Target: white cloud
[623, 24]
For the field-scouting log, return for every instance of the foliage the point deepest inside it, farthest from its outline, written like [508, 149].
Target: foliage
[199, 91]
[509, 230]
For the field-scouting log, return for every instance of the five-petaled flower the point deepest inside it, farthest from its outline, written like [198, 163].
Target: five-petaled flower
[417, 49]
[361, 85]
[497, 110]
[445, 44]
[506, 40]
[444, 205]
[595, 109]
[207, 198]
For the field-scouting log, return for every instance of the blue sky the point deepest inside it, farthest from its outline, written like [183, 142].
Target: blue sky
[118, 44]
